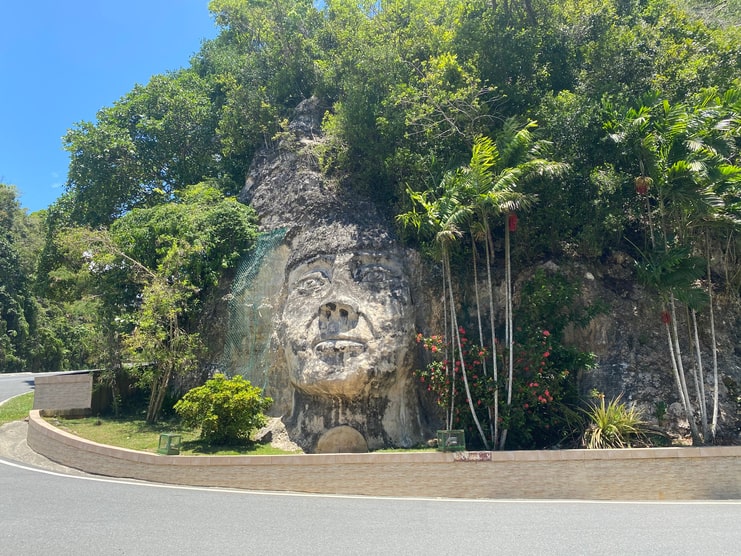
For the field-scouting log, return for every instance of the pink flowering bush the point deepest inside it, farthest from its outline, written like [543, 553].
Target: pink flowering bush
[544, 410]
[443, 377]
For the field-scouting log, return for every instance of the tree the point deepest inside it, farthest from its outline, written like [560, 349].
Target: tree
[444, 218]
[153, 272]
[155, 140]
[19, 310]
[498, 169]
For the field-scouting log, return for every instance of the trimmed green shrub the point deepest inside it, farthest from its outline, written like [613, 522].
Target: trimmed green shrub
[226, 409]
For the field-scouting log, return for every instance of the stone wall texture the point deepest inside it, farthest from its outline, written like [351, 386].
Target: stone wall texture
[63, 392]
[631, 474]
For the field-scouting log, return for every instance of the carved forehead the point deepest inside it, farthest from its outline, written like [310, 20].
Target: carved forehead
[352, 260]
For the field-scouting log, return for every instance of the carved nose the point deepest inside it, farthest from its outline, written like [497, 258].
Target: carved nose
[336, 318]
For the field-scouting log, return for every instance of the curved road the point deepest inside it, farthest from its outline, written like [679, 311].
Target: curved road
[14, 384]
[42, 512]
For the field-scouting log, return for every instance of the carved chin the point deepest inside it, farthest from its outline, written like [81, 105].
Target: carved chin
[333, 373]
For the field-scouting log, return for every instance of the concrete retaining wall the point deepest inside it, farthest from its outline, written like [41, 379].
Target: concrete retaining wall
[68, 392]
[634, 474]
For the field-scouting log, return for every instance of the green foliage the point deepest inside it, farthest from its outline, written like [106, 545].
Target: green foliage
[216, 230]
[615, 425]
[226, 409]
[101, 287]
[544, 411]
[23, 323]
[157, 139]
[550, 301]
[412, 89]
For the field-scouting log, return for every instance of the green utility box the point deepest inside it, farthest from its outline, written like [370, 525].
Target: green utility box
[169, 444]
[451, 441]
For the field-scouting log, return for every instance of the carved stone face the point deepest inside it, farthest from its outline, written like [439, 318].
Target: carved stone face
[347, 324]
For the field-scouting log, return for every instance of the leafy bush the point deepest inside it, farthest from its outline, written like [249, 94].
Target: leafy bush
[226, 409]
[615, 425]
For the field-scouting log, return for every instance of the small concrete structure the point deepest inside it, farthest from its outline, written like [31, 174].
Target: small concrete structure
[68, 393]
[712, 473]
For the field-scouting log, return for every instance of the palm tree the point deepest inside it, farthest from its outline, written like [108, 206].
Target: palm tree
[494, 176]
[444, 217]
[680, 153]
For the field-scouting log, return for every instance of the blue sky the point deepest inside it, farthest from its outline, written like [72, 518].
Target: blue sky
[63, 60]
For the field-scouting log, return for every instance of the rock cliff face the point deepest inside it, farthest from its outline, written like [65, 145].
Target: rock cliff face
[631, 346]
[342, 298]
[338, 301]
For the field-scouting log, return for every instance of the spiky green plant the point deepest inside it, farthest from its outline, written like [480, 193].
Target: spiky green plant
[613, 425]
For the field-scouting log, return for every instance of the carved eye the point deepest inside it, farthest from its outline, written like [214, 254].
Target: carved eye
[311, 283]
[374, 274]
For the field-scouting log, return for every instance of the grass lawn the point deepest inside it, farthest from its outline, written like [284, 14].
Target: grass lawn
[16, 409]
[136, 434]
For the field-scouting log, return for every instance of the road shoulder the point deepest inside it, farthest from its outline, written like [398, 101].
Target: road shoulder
[13, 446]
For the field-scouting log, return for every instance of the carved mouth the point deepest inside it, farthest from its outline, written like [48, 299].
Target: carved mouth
[337, 346]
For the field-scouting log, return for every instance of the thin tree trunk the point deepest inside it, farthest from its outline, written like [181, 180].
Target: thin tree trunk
[476, 293]
[457, 336]
[683, 382]
[675, 368]
[481, 329]
[489, 262]
[714, 422]
[448, 370]
[509, 333]
[699, 377]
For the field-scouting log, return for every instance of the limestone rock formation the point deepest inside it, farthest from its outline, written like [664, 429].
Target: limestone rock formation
[329, 310]
[337, 303]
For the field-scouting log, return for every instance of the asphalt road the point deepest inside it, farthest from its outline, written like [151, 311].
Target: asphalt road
[47, 513]
[42, 512]
[14, 384]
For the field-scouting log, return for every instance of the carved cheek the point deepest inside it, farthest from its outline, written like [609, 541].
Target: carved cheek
[296, 320]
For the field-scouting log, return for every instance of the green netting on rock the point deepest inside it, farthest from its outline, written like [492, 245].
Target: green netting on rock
[252, 306]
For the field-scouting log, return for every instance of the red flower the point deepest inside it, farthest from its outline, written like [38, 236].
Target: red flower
[642, 184]
[433, 349]
[547, 354]
[546, 333]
